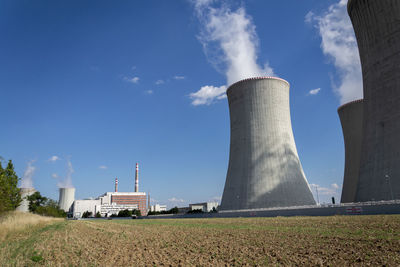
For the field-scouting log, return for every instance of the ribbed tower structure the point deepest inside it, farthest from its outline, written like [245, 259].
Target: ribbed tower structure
[264, 169]
[351, 118]
[377, 27]
[66, 198]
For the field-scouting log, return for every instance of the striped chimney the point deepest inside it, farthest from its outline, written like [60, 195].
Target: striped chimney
[116, 184]
[137, 178]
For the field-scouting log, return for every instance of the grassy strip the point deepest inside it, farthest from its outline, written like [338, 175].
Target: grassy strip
[25, 247]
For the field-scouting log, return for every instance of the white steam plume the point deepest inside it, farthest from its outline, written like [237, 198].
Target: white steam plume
[230, 42]
[27, 181]
[339, 43]
[67, 183]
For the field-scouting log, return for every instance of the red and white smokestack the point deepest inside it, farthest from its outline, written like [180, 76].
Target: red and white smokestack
[137, 178]
[116, 184]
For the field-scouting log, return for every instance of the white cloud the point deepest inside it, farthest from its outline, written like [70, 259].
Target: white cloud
[132, 80]
[177, 77]
[27, 181]
[176, 200]
[158, 82]
[207, 95]
[327, 191]
[340, 45]
[54, 158]
[103, 167]
[149, 92]
[54, 175]
[230, 43]
[314, 91]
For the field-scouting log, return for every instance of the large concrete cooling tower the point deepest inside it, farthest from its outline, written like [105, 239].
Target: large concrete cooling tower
[67, 197]
[351, 117]
[25, 192]
[264, 168]
[377, 27]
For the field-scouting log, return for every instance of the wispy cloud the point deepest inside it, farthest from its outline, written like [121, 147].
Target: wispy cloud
[131, 79]
[314, 91]
[207, 95]
[67, 182]
[27, 179]
[54, 175]
[340, 45]
[230, 43]
[103, 167]
[158, 82]
[177, 77]
[149, 92]
[54, 158]
[176, 200]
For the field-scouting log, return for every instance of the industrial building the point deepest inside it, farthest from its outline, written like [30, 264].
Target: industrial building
[205, 207]
[158, 208]
[264, 169]
[112, 202]
[25, 192]
[377, 28]
[351, 118]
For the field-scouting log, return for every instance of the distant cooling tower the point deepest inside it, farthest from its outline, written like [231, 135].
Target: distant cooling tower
[25, 192]
[67, 197]
[351, 117]
[377, 27]
[264, 168]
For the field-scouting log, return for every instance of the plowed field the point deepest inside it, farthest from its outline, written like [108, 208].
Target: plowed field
[323, 241]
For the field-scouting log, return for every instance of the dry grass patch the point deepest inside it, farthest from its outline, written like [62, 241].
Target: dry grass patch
[17, 221]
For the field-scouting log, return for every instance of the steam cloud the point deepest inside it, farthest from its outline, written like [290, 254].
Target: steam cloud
[26, 181]
[67, 183]
[339, 43]
[230, 43]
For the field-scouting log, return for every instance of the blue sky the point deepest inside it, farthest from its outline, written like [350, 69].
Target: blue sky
[89, 88]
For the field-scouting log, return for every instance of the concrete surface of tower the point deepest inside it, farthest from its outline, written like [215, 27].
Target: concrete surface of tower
[351, 119]
[264, 168]
[377, 27]
[66, 198]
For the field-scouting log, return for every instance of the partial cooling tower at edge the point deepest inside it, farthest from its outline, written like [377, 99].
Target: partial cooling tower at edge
[351, 118]
[25, 192]
[264, 169]
[377, 28]
[67, 197]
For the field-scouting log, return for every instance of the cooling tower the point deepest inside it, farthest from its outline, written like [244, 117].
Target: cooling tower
[351, 118]
[264, 168]
[25, 192]
[67, 197]
[377, 27]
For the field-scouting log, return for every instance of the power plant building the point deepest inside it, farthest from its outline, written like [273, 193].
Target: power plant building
[264, 168]
[351, 118]
[377, 27]
[111, 203]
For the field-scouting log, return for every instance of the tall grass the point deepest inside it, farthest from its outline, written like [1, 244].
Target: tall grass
[17, 221]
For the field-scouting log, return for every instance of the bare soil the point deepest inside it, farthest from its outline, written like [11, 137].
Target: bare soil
[294, 241]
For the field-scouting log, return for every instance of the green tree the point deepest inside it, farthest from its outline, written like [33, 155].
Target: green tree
[137, 213]
[10, 196]
[36, 200]
[98, 215]
[125, 213]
